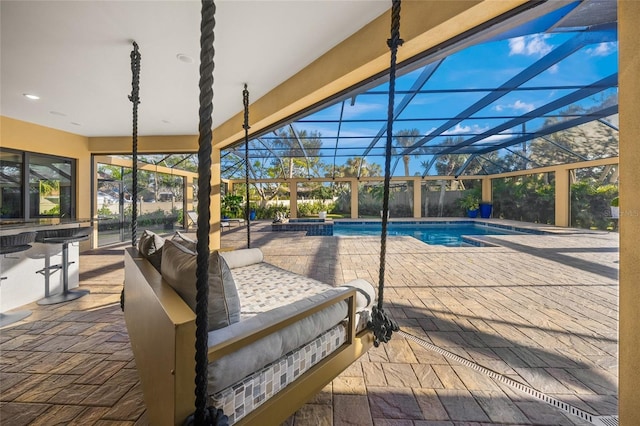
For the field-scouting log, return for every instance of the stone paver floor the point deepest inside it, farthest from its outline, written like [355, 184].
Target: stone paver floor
[539, 310]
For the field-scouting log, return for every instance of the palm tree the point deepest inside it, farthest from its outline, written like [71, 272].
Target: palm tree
[406, 139]
[354, 164]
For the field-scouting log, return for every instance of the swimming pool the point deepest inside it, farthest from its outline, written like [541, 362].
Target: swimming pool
[447, 234]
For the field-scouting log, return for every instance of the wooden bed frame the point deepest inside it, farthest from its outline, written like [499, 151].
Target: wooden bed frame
[162, 331]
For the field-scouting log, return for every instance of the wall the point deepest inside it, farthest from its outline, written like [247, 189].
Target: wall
[25, 136]
[146, 144]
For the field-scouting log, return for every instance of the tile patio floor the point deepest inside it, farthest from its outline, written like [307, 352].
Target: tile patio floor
[540, 310]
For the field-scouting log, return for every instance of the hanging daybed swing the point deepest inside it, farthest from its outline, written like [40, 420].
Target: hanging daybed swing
[239, 366]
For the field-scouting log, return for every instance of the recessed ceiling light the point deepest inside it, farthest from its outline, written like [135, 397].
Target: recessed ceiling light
[31, 96]
[184, 58]
[59, 114]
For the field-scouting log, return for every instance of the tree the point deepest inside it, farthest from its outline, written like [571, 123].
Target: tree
[266, 191]
[406, 139]
[588, 141]
[449, 164]
[287, 145]
[353, 165]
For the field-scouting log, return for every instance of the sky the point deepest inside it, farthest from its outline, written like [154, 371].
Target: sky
[463, 79]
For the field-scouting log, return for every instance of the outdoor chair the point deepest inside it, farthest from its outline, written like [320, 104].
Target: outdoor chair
[193, 221]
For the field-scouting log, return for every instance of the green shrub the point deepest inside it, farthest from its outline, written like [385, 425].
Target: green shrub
[312, 208]
[269, 212]
[53, 211]
[105, 212]
[232, 205]
[590, 204]
[527, 198]
[470, 202]
[304, 209]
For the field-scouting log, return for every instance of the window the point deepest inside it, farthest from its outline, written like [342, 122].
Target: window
[11, 184]
[44, 188]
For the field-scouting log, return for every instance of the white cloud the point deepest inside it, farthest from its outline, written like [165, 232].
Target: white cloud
[516, 46]
[517, 105]
[553, 69]
[459, 129]
[602, 49]
[533, 45]
[495, 138]
[522, 106]
[361, 108]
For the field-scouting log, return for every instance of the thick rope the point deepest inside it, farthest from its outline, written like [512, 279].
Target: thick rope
[247, 212]
[213, 416]
[383, 326]
[202, 414]
[135, 99]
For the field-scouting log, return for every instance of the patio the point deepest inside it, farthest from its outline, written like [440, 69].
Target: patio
[538, 310]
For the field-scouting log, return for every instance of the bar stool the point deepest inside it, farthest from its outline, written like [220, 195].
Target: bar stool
[65, 237]
[15, 244]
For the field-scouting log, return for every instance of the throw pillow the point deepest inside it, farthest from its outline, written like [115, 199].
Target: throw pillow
[150, 247]
[184, 241]
[179, 270]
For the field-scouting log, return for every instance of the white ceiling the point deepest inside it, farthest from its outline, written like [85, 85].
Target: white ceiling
[75, 56]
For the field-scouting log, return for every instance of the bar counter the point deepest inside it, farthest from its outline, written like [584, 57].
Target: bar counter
[32, 274]
[16, 226]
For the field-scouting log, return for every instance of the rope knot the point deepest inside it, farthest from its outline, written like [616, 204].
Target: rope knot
[135, 99]
[135, 72]
[212, 417]
[245, 102]
[382, 325]
[394, 43]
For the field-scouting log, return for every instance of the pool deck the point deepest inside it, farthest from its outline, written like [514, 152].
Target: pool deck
[538, 311]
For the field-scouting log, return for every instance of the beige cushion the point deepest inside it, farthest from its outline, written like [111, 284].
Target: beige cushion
[231, 368]
[242, 257]
[150, 247]
[179, 270]
[184, 241]
[366, 293]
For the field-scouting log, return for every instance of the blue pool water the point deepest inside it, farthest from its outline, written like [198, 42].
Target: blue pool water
[434, 234]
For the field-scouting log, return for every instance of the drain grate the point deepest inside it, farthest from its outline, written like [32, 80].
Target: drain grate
[596, 420]
[605, 420]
